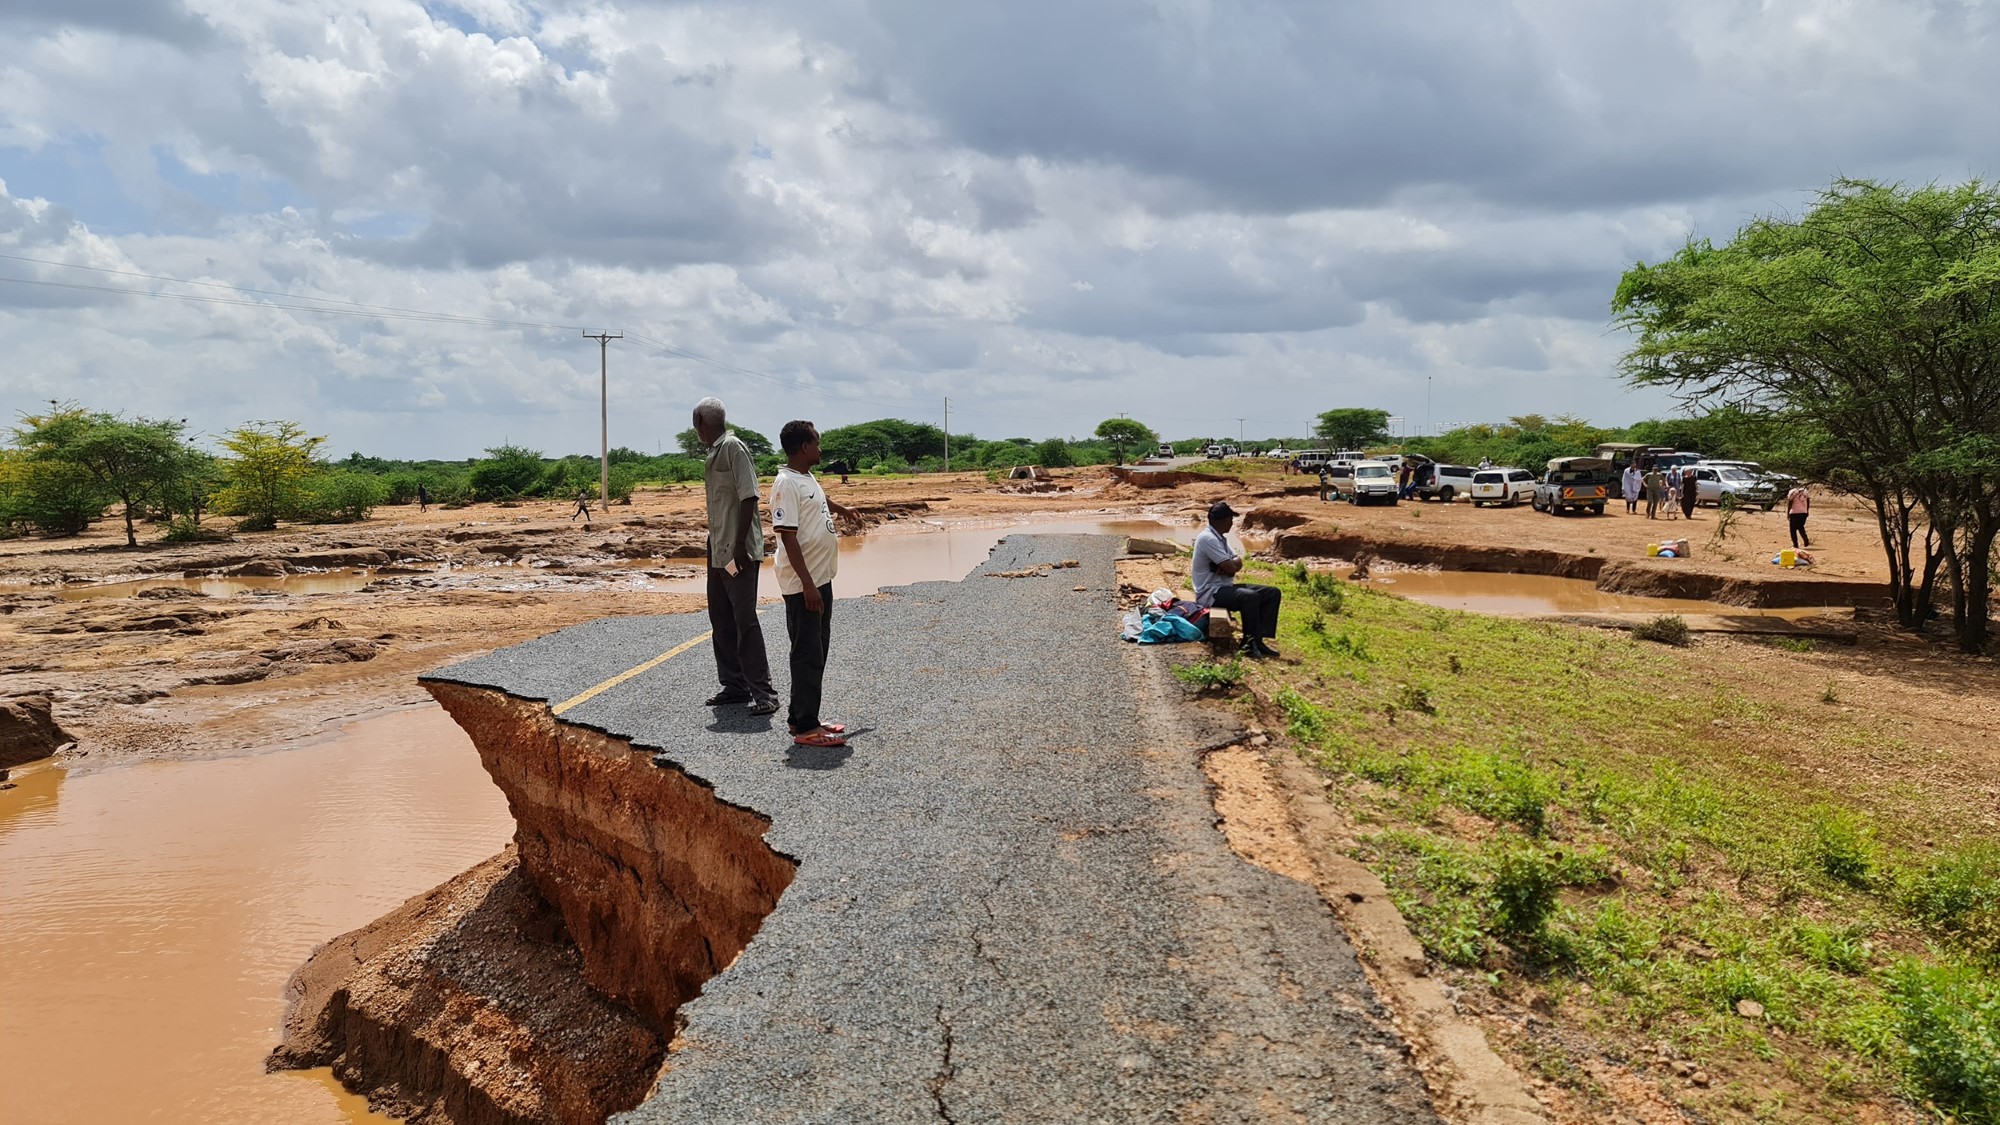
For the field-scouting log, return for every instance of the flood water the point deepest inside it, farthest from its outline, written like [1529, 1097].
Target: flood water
[329, 582]
[152, 914]
[902, 554]
[1530, 595]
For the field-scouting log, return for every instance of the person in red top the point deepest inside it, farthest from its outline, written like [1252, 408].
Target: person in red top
[1797, 504]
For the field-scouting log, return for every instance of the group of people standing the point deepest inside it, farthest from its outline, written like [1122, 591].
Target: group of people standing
[808, 558]
[1671, 490]
[1677, 488]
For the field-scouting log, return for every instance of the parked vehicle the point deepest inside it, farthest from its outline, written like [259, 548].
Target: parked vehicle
[1165, 452]
[1623, 453]
[1350, 456]
[1393, 460]
[1505, 486]
[1374, 482]
[1683, 458]
[1213, 452]
[1309, 460]
[1574, 483]
[1436, 481]
[1336, 481]
[1278, 454]
[1718, 483]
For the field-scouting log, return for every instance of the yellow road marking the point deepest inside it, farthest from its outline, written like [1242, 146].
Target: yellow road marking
[593, 693]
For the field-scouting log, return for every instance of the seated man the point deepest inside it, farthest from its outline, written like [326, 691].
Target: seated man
[1215, 570]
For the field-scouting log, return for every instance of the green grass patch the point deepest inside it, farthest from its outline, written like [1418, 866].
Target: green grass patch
[1552, 806]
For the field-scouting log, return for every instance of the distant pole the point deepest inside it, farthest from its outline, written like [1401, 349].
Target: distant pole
[603, 415]
[1239, 432]
[947, 433]
[1427, 406]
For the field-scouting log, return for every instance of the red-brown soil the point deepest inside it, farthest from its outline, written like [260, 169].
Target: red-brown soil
[467, 1006]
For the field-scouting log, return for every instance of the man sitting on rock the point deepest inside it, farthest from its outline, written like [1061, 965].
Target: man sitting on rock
[1215, 586]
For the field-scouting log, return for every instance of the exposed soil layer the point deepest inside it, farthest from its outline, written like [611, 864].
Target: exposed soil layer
[1684, 579]
[542, 985]
[660, 884]
[467, 1006]
[28, 730]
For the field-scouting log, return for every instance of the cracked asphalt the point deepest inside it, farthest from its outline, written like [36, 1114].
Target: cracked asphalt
[1012, 901]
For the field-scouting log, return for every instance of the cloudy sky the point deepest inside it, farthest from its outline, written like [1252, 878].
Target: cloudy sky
[1048, 210]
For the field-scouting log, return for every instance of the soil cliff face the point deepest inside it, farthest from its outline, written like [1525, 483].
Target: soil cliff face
[659, 884]
[542, 985]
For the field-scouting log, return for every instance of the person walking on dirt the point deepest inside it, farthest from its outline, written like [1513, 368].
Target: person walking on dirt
[1690, 493]
[735, 547]
[808, 557]
[582, 507]
[1654, 483]
[423, 499]
[1670, 494]
[1215, 570]
[1798, 504]
[1632, 484]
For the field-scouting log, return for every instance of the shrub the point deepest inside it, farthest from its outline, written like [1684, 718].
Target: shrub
[1303, 720]
[1840, 844]
[402, 488]
[340, 496]
[624, 478]
[1667, 630]
[1949, 1018]
[1326, 591]
[1958, 896]
[506, 472]
[55, 498]
[1209, 676]
[1524, 889]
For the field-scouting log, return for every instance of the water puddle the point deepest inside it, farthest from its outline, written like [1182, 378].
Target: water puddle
[903, 555]
[1534, 595]
[154, 913]
[328, 582]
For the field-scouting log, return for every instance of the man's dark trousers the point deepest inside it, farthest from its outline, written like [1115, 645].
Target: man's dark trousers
[812, 636]
[740, 662]
[1256, 605]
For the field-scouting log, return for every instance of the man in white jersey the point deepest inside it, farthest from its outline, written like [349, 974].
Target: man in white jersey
[808, 556]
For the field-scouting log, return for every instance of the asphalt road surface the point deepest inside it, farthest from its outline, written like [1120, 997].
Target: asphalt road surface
[1012, 902]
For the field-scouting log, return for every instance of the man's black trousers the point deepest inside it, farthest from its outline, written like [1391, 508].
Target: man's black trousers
[812, 635]
[1256, 605]
[740, 662]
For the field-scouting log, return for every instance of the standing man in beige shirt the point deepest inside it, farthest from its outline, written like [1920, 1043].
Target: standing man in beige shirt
[735, 548]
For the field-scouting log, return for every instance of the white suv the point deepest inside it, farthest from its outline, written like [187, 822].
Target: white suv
[1505, 486]
[1374, 483]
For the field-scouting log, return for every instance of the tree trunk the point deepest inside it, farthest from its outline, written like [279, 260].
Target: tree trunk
[131, 536]
[1973, 574]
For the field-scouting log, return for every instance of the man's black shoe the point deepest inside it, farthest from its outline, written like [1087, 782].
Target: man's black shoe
[723, 699]
[764, 706]
[1256, 651]
[1266, 646]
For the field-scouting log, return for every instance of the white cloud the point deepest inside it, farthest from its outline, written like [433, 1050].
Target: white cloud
[1049, 211]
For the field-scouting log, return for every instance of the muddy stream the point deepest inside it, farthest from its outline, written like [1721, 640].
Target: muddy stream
[152, 914]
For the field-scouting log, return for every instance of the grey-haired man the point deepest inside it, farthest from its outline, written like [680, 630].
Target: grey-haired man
[735, 547]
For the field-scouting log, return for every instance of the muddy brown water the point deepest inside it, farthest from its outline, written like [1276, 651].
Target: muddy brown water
[328, 582]
[152, 914]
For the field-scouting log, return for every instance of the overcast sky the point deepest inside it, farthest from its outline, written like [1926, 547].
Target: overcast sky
[1048, 210]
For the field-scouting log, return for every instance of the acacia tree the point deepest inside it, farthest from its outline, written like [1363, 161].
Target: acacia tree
[266, 471]
[1123, 432]
[133, 461]
[1873, 320]
[1353, 427]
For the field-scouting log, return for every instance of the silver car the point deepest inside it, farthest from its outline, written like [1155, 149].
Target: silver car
[1736, 484]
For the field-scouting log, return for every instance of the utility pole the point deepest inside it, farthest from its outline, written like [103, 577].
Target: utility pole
[947, 433]
[1427, 406]
[603, 416]
[1239, 433]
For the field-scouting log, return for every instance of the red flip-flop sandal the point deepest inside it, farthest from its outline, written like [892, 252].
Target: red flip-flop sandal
[832, 728]
[818, 738]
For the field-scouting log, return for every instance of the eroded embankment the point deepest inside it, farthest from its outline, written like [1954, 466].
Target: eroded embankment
[1668, 578]
[542, 986]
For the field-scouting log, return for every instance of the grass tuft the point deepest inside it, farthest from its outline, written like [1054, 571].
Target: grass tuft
[1667, 629]
[1209, 676]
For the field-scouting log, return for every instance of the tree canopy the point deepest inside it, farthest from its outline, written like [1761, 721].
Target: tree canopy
[1353, 427]
[1125, 433]
[1872, 322]
[690, 442]
[130, 460]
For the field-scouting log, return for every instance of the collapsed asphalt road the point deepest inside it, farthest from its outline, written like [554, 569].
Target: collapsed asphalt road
[1011, 901]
